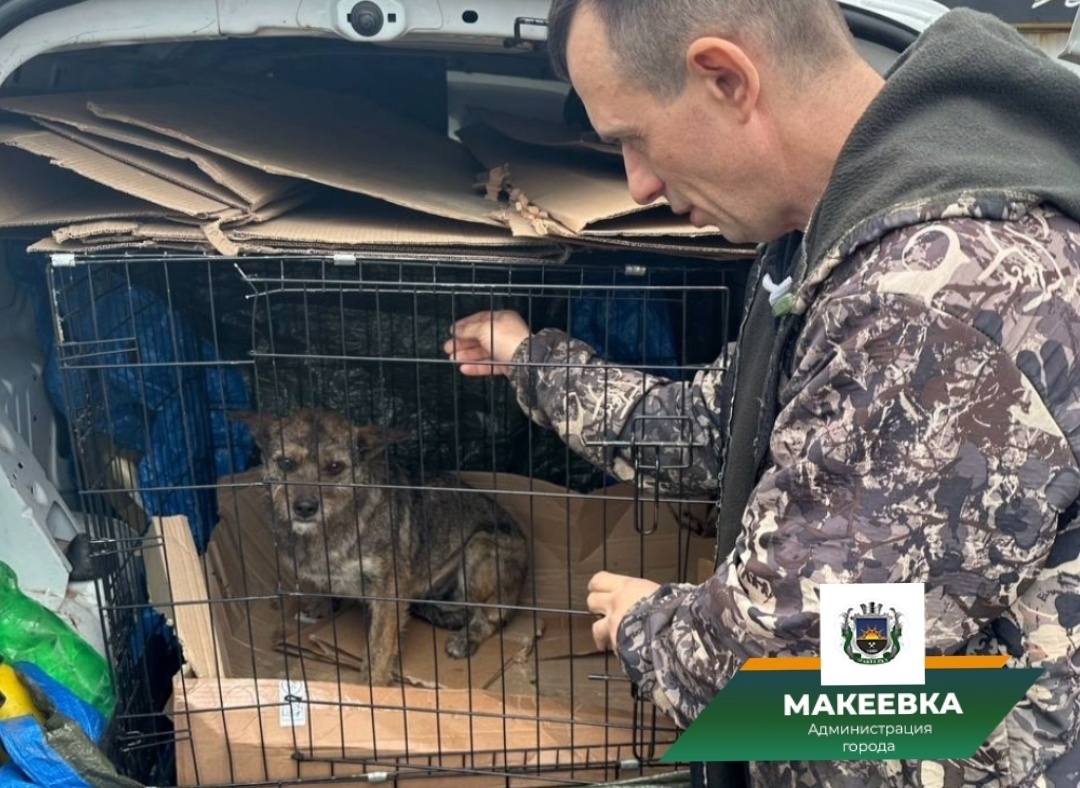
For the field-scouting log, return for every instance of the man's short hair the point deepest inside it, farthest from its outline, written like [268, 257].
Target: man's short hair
[649, 38]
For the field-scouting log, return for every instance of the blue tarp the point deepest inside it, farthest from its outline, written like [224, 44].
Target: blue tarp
[133, 369]
[33, 760]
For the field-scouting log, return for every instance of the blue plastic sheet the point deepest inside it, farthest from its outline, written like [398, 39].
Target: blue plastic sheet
[139, 378]
[627, 329]
[33, 761]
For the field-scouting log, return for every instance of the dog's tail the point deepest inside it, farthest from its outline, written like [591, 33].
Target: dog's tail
[441, 615]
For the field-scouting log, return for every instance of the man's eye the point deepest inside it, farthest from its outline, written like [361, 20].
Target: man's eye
[286, 464]
[335, 468]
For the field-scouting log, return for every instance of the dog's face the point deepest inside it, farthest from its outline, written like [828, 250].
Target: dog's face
[317, 463]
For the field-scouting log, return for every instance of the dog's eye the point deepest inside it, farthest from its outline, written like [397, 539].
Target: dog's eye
[334, 468]
[286, 464]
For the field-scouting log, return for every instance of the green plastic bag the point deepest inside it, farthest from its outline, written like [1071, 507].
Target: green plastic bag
[32, 633]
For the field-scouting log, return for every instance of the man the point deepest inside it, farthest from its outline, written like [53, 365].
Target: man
[909, 411]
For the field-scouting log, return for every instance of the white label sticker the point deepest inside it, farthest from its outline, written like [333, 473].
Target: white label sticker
[293, 697]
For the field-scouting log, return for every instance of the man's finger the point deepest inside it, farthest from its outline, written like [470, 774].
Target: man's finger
[478, 370]
[470, 354]
[598, 602]
[471, 326]
[603, 581]
[459, 343]
[600, 632]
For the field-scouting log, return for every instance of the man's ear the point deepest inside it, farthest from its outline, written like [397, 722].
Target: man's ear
[258, 423]
[727, 71]
[372, 441]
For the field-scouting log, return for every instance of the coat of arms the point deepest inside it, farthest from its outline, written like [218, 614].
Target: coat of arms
[871, 634]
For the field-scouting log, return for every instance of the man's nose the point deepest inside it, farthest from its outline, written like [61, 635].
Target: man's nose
[646, 187]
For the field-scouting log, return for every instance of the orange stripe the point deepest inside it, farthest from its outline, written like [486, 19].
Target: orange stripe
[944, 663]
[782, 663]
[814, 663]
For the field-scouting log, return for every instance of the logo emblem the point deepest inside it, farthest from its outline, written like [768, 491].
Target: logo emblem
[871, 635]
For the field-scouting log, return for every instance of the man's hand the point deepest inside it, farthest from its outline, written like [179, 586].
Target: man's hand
[481, 341]
[612, 596]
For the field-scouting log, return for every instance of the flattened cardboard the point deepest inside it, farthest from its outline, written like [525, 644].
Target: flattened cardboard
[342, 639]
[356, 147]
[50, 246]
[179, 171]
[233, 733]
[110, 172]
[581, 198]
[351, 222]
[49, 196]
[88, 230]
[575, 536]
[254, 187]
[177, 591]
[575, 197]
[235, 729]
[117, 235]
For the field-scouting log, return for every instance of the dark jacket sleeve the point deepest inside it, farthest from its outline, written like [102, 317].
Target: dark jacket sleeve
[602, 412]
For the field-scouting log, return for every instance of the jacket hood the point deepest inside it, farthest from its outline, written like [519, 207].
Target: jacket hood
[972, 121]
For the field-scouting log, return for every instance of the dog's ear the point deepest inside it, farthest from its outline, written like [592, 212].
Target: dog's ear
[372, 441]
[259, 424]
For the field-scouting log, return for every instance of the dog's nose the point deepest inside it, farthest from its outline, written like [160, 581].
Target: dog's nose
[305, 507]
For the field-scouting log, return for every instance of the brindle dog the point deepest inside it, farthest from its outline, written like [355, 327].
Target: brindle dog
[355, 525]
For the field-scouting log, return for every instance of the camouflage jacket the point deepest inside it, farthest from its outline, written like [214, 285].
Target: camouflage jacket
[929, 432]
[928, 412]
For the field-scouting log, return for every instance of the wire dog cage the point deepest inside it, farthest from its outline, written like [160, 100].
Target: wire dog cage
[160, 356]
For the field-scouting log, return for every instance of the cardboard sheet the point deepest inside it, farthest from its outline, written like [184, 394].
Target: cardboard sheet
[68, 113]
[39, 195]
[113, 173]
[356, 147]
[516, 705]
[286, 172]
[576, 197]
[349, 222]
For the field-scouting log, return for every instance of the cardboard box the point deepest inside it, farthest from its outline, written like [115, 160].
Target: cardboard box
[263, 697]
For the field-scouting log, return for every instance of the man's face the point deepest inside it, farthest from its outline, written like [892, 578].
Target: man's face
[705, 159]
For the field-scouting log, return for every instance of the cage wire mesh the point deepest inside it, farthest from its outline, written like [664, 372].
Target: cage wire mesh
[196, 511]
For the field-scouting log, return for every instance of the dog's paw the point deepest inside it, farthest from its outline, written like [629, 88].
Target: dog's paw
[312, 611]
[459, 645]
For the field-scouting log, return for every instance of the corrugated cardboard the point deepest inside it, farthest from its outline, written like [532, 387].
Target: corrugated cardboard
[235, 732]
[37, 194]
[354, 146]
[520, 712]
[178, 592]
[573, 537]
[241, 164]
[179, 171]
[348, 222]
[66, 113]
[342, 640]
[110, 172]
[580, 193]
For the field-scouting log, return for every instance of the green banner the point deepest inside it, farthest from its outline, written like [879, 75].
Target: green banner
[786, 715]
